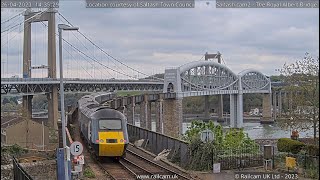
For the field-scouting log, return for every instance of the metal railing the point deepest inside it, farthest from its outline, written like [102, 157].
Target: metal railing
[157, 142]
[18, 172]
[76, 79]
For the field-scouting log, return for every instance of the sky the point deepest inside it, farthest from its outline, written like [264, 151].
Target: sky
[150, 40]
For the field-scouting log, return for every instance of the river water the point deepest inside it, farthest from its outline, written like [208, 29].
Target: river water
[255, 130]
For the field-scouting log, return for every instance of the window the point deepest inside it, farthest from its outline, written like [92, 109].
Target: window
[110, 124]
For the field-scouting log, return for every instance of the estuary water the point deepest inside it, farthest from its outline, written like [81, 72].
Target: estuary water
[255, 130]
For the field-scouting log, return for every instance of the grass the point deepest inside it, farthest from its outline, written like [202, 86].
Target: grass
[88, 173]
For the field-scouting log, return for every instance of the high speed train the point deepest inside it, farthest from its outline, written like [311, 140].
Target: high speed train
[104, 130]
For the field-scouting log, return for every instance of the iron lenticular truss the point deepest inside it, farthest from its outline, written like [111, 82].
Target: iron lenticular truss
[207, 75]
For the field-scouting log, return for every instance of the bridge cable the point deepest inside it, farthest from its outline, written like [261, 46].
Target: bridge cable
[29, 24]
[16, 35]
[12, 29]
[12, 17]
[77, 52]
[202, 57]
[96, 60]
[106, 52]
[90, 42]
[84, 47]
[82, 52]
[40, 13]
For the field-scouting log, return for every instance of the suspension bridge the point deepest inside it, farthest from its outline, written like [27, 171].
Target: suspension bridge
[84, 58]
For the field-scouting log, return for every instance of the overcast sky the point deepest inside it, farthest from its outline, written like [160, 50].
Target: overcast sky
[152, 39]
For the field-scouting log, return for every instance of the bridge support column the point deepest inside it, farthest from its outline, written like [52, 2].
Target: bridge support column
[206, 107]
[53, 108]
[266, 109]
[280, 102]
[159, 116]
[27, 100]
[220, 108]
[172, 117]
[236, 110]
[148, 115]
[27, 105]
[130, 111]
[274, 103]
[145, 113]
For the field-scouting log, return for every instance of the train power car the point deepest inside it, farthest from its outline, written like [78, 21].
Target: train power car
[104, 130]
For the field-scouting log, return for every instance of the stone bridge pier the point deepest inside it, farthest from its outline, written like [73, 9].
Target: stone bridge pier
[207, 108]
[172, 117]
[130, 109]
[266, 109]
[145, 112]
[167, 109]
[159, 115]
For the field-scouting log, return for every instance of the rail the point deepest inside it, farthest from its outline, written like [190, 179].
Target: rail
[19, 172]
[152, 163]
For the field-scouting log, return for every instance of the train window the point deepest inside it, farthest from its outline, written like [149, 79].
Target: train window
[110, 124]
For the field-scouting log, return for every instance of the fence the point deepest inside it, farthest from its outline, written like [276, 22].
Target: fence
[18, 172]
[156, 142]
[228, 158]
[306, 165]
[238, 158]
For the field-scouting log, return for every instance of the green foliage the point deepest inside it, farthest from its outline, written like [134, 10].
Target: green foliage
[128, 93]
[225, 144]
[233, 138]
[312, 173]
[251, 101]
[196, 104]
[312, 150]
[14, 150]
[289, 145]
[89, 173]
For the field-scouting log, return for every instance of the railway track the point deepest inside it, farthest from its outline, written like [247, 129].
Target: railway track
[117, 171]
[151, 168]
[135, 166]
[150, 157]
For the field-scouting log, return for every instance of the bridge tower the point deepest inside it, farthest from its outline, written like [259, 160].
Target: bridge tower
[52, 96]
[220, 99]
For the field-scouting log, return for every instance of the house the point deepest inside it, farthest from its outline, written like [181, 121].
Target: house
[25, 133]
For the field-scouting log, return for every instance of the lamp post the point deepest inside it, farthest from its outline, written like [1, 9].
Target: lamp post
[62, 27]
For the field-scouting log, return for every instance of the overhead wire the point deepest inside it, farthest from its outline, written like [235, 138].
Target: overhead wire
[13, 23]
[80, 41]
[139, 72]
[88, 40]
[29, 24]
[12, 17]
[73, 47]
[39, 13]
[93, 59]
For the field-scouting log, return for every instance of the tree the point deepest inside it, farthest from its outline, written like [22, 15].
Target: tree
[302, 79]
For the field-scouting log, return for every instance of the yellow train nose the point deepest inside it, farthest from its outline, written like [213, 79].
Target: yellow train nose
[111, 143]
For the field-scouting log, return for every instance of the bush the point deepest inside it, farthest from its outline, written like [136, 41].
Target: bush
[312, 150]
[289, 145]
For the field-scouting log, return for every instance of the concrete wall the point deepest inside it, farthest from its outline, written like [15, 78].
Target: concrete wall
[17, 134]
